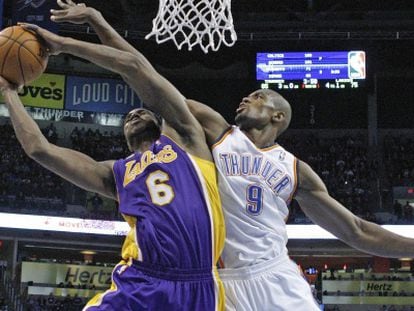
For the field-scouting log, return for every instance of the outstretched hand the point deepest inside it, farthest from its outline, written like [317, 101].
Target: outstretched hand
[52, 42]
[71, 12]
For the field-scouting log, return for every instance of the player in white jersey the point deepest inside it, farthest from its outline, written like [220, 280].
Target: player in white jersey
[265, 180]
[258, 179]
[258, 184]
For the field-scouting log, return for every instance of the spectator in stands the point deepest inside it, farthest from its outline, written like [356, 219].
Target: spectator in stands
[51, 301]
[67, 301]
[74, 136]
[397, 209]
[77, 301]
[51, 133]
[96, 202]
[408, 212]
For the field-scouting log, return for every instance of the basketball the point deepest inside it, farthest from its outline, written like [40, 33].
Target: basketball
[22, 57]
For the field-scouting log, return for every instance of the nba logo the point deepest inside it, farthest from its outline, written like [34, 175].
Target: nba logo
[356, 65]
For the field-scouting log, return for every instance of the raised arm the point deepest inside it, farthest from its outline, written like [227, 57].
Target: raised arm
[212, 122]
[155, 90]
[81, 14]
[325, 211]
[73, 166]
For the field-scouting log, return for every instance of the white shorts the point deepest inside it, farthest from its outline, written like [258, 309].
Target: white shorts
[275, 285]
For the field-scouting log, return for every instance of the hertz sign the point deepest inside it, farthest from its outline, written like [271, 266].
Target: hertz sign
[51, 273]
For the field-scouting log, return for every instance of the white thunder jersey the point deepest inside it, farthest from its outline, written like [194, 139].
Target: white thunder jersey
[256, 185]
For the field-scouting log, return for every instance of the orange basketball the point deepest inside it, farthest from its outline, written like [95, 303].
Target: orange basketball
[22, 56]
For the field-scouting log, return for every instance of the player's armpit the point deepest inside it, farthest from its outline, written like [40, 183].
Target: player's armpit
[212, 122]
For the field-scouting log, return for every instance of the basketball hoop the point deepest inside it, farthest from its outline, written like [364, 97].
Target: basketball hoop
[208, 23]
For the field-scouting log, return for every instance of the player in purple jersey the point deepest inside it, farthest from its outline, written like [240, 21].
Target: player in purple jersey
[166, 189]
[273, 283]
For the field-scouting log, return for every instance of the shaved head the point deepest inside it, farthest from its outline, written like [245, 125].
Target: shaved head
[282, 105]
[263, 109]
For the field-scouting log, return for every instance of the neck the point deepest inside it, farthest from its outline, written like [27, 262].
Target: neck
[142, 146]
[261, 138]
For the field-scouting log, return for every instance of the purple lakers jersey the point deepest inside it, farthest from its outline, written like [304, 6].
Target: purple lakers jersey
[173, 199]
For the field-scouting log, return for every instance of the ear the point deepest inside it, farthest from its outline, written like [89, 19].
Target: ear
[278, 116]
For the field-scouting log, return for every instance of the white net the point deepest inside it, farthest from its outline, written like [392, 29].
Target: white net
[207, 23]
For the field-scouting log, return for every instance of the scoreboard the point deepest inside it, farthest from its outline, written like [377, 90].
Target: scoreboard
[311, 70]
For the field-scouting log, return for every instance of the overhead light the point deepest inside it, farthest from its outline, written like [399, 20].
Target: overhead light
[405, 259]
[88, 252]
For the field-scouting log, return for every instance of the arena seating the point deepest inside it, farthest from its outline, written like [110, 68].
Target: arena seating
[357, 175]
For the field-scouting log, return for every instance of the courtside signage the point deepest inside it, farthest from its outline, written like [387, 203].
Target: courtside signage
[367, 286]
[93, 226]
[56, 115]
[63, 224]
[100, 95]
[50, 273]
[373, 292]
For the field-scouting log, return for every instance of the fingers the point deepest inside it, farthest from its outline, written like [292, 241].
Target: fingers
[62, 4]
[40, 32]
[58, 12]
[27, 26]
[58, 15]
[68, 11]
[71, 3]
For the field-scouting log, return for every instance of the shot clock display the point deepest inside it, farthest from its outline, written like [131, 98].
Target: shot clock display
[311, 70]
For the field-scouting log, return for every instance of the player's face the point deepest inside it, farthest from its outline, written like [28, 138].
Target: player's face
[255, 110]
[141, 124]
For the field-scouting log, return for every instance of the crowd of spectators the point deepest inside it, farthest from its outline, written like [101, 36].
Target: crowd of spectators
[26, 187]
[398, 162]
[24, 183]
[343, 161]
[398, 153]
[343, 164]
[100, 147]
[55, 303]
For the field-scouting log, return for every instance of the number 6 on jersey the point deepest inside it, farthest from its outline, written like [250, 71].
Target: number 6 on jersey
[161, 193]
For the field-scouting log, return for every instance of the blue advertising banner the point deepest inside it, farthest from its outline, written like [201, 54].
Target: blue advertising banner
[99, 95]
[35, 12]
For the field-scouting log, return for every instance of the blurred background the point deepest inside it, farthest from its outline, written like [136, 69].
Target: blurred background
[358, 139]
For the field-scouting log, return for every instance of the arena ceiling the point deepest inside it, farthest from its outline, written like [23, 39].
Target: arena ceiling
[383, 28]
[260, 20]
